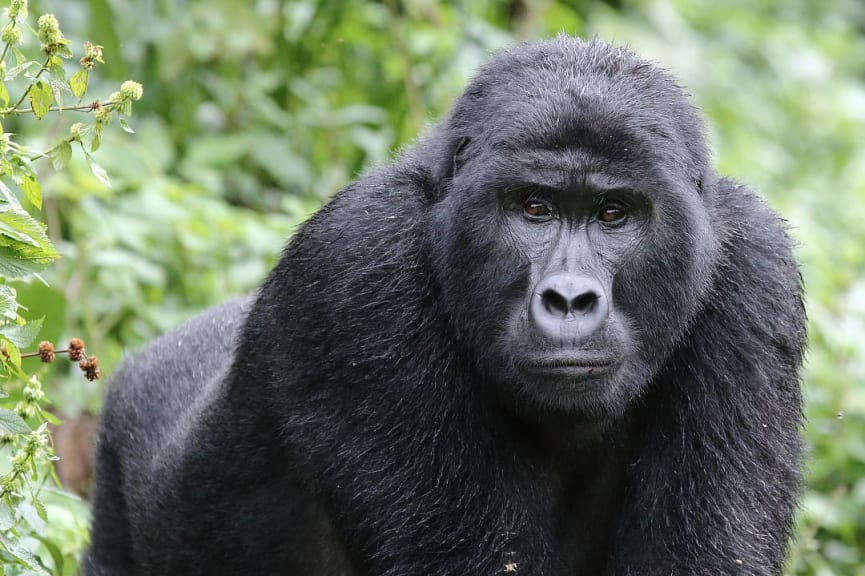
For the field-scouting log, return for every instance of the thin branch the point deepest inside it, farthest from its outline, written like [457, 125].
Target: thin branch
[26, 92]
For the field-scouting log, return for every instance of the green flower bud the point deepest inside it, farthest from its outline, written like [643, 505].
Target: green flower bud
[131, 91]
[33, 394]
[103, 115]
[18, 9]
[75, 130]
[25, 410]
[11, 34]
[123, 107]
[20, 462]
[36, 440]
[119, 103]
[48, 30]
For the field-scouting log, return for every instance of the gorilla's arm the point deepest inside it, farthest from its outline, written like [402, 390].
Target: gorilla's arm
[716, 479]
[144, 414]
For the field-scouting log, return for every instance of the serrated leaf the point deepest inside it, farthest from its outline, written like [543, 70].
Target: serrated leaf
[24, 245]
[78, 83]
[63, 49]
[7, 520]
[9, 235]
[22, 555]
[96, 142]
[56, 554]
[41, 97]
[8, 302]
[8, 196]
[14, 354]
[4, 94]
[126, 127]
[56, 69]
[23, 335]
[98, 171]
[20, 57]
[32, 190]
[31, 516]
[40, 509]
[60, 155]
[50, 418]
[11, 423]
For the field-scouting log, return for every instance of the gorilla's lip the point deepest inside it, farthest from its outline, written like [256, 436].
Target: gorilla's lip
[571, 365]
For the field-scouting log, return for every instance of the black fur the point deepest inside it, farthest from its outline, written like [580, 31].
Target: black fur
[401, 403]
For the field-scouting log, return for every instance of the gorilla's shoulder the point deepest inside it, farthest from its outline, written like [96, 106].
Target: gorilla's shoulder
[171, 368]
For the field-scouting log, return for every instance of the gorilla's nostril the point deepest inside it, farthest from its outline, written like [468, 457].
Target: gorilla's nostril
[584, 302]
[554, 302]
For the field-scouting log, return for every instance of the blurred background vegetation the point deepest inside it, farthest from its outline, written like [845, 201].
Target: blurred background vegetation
[255, 112]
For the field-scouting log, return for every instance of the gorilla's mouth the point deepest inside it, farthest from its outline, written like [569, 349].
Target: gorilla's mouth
[571, 366]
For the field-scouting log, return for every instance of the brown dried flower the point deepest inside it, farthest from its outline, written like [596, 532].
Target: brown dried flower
[46, 351]
[90, 366]
[76, 350]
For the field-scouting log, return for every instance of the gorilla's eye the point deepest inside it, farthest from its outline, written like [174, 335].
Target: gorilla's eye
[537, 210]
[611, 214]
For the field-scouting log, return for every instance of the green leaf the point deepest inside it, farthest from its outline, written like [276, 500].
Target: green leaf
[96, 142]
[4, 94]
[24, 245]
[78, 83]
[51, 546]
[32, 190]
[14, 353]
[50, 418]
[126, 127]
[41, 97]
[56, 69]
[11, 423]
[63, 49]
[9, 197]
[21, 554]
[8, 302]
[31, 516]
[98, 171]
[23, 335]
[60, 155]
[9, 234]
[7, 520]
[21, 58]
[40, 509]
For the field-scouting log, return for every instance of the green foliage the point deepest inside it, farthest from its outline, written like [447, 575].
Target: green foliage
[26, 249]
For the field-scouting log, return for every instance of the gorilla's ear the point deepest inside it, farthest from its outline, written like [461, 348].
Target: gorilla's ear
[451, 158]
[457, 155]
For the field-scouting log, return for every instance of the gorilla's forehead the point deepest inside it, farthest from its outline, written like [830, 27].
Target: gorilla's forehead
[576, 172]
[571, 94]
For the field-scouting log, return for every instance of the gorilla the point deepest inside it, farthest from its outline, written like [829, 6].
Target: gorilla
[548, 339]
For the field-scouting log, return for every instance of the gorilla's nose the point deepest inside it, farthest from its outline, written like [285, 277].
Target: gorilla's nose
[568, 307]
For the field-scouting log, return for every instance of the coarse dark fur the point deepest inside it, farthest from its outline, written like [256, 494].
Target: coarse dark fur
[407, 396]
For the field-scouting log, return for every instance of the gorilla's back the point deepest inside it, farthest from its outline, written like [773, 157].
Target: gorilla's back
[150, 397]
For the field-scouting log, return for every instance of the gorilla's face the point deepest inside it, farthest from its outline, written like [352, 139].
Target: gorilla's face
[574, 253]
